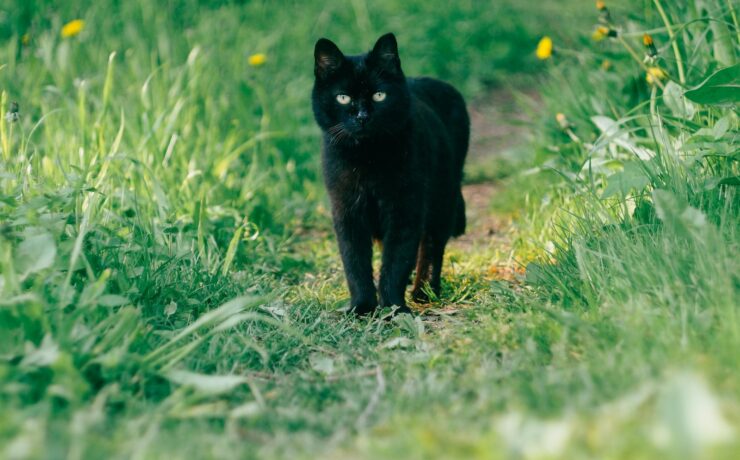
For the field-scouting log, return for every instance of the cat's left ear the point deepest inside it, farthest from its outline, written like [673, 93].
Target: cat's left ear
[386, 52]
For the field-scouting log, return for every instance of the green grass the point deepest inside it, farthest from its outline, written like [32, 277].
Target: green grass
[171, 288]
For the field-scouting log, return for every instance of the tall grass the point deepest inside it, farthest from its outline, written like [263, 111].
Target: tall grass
[645, 230]
[640, 215]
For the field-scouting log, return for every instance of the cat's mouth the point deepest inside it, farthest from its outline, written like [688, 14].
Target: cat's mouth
[360, 133]
[340, 134]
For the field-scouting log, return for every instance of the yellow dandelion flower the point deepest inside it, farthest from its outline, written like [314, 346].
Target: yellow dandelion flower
[544, 48]
[647, 40]
[257, 60]
[72, 28]
[26, 39]
[600, 5]
[606, 64]
[600, 33]
[655, 74]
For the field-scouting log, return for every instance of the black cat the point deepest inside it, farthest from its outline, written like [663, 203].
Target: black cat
[393, 157]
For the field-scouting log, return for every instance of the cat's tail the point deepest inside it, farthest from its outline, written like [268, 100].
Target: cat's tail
[459, 228]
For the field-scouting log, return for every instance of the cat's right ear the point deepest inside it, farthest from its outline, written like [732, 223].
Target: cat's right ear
[328, 58]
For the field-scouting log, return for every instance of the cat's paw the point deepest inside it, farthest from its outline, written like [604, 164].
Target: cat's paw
[419, 296]
[363, 309]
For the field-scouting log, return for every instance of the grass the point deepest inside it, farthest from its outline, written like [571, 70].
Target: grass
[171, 288]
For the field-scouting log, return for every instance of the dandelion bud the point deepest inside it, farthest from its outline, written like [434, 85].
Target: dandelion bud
[604, 15]
[647, 40]
[562, 121]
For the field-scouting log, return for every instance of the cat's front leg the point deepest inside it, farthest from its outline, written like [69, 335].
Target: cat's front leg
[355, 247]
[400, 246]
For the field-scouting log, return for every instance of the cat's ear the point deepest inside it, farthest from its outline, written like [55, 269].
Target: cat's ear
[327, 56]
[385, 52]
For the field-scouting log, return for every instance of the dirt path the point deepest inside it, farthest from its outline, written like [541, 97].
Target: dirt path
[497, 125]
[484, 253]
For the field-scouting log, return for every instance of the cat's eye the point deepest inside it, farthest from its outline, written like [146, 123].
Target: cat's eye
[379, 96]
[343, 99]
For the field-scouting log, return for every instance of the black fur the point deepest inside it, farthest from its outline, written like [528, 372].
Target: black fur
[392, 169]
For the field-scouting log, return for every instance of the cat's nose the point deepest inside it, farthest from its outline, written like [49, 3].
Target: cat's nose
[362, 117]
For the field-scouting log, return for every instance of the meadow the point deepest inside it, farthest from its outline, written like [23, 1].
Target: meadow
[171, 286]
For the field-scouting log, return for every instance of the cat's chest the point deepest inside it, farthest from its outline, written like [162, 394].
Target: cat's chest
[372, 182]
[377, 175]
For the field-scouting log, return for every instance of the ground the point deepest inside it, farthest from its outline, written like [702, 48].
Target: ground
[497, 128]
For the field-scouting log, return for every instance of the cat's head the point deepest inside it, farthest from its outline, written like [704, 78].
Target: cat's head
[360, 97]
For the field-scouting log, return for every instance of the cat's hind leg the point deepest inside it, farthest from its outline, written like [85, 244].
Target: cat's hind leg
[459, 226]
[429, 267]
[423, 271]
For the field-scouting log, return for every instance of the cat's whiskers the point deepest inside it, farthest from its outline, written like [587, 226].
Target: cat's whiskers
[338, 134]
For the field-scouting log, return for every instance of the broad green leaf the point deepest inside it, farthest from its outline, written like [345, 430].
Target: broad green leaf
[674, 99]
[45, 354]
[721, 88]
[321, 363]
[397, 342]
[677, 213]
[724, 49]
[608, 127]
[246, 410]
[171, 308]
[667, 206]
[632, 177]
[35, 253]
[535, 273]
[209, 384]
[113, 300]
[721, 127]
[216, 409]
[615, 134]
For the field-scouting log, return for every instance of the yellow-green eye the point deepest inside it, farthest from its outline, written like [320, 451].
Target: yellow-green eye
[379, 96]
[343, 99]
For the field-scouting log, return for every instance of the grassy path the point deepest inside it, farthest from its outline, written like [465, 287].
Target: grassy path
[497, 128]
[429, 385]
[413, 387]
